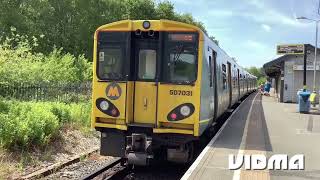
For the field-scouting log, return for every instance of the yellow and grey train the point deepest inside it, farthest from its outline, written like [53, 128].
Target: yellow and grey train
[157, 86]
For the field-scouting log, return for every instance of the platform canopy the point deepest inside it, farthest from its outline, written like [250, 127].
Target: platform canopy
[273, 68]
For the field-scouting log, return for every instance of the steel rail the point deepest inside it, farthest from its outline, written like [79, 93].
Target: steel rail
[101, 170]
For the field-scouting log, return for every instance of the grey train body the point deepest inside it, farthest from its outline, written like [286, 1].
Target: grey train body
[223, 84]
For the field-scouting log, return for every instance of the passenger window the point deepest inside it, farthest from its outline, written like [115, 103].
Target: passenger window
[224, 76]
[234, 79]
[147, 64]
[224, 69]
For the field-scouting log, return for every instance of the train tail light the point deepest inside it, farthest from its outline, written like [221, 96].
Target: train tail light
[173, 116]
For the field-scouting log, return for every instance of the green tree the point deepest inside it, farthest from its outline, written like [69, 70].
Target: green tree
[188, 18]
[70, 24]
[139, 9]
[214, 40]
[258, 72]
[165, 10]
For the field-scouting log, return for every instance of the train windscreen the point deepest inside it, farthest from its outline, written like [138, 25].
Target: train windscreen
[112, 55]
[180, 56]
[177, 61]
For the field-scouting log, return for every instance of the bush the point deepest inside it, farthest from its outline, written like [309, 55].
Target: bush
[4, 107]
[31, 124]
[27, 124]
[81, 114]
[19, 64]
[62, 112]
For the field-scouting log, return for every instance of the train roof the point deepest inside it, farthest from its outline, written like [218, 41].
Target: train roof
[155, 25]
[207, 38]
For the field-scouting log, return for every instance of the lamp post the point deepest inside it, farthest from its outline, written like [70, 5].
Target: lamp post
[315, 50]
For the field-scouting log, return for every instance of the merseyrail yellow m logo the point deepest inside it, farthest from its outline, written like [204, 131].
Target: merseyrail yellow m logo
[113, 91]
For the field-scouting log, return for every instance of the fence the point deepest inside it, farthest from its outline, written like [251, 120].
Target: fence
[74, 92]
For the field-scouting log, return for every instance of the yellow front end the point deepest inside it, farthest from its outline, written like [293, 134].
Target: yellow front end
[118, 104]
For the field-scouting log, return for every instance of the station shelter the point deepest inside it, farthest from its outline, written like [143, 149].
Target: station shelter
[287, 74]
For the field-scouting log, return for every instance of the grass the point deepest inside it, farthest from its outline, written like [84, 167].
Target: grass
[5, 169]
[7, 166]
[15, 163]
[32, 132]
[12, 164]
[24, 125]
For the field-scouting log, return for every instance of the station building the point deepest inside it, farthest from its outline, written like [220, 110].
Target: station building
[287, 74]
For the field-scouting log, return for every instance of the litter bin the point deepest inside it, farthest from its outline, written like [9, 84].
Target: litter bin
[298, 94]
[304, 102]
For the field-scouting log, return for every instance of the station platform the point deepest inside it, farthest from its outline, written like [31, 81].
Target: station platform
[261, 125]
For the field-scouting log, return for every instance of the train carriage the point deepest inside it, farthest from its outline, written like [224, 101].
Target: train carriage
[157, 86]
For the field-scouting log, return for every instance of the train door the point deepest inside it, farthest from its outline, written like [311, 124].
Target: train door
[145, 86]
[238, 83]
[229, 83]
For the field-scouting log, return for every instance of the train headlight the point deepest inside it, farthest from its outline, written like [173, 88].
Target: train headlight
[104, 105]
[146, 24]
[185, 110]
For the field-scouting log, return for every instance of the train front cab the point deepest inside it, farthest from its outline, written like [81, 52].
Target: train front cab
[146, 88]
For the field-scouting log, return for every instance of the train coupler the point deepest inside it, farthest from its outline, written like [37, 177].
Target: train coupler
[139, 149]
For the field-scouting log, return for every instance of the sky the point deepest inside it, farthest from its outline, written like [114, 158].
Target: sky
[249, 30]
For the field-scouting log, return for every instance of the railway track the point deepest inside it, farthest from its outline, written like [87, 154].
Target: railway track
[108, 171]
[115, 170]
[160, 171]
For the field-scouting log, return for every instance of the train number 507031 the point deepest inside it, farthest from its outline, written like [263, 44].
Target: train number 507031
[180, 93]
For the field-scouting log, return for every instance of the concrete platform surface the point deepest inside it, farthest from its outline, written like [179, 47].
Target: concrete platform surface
[261, 126]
